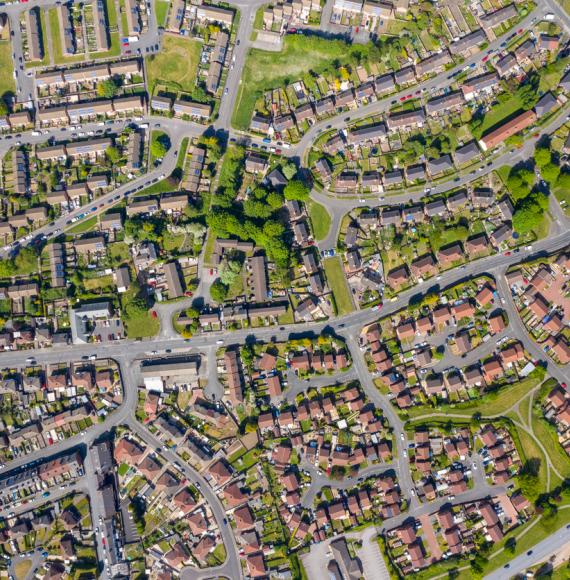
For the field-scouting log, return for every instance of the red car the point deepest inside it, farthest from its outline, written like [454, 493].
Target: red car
[563, 385]
[507, 253]
[485, 59]
[153, 314]
[402, 98]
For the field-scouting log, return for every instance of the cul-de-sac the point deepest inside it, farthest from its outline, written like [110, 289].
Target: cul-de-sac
[284, 289]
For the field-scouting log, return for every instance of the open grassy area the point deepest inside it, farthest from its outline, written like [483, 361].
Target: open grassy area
[268, 70]
[547, 435]
[141, 326]
[528, 450]
[490, 404]
[7, 84]
[161, 10]
[338, 285]
[563, 197]
[498, 115]
[175, 66]
[320, 219]
[22, 568]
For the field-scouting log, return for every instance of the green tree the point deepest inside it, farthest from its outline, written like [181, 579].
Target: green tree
[289, 170]
[112, 154]
[520, 182]
[550, 173]
[159, 145]
[296, 190]
[542, 156]
[229, 271]
[107, 88]
[218, 291]
[563, 181]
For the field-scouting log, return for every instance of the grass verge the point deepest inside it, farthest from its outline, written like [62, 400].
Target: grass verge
[320, 218]
[339, 287]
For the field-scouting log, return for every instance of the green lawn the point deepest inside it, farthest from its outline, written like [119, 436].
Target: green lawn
[83, 226]
[268, 70]
[141, 325]
[124, 22]
[161, 10]
[528, 450]
[546, 433]
[7, 84]
[562, 195]
[337, 283]
[176, 65]
[58, 57]
[498, 115]
[491, 404]
[320, 219]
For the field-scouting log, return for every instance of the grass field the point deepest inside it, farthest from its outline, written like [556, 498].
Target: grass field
[267, 70]
[22, 568]
[338, 285]
[176, 65]
[548, 437]
[161, 10]
[490, 404]
[530, 450]
[7, 84]
[320, 218]
[497, 115]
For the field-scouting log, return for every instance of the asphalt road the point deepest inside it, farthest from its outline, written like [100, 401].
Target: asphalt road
[349, 326]
[539, 553]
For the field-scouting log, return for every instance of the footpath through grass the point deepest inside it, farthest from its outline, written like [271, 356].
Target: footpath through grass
[495, 403]
[320, 218]
[338, 285]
